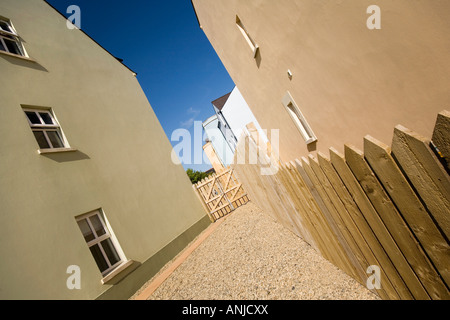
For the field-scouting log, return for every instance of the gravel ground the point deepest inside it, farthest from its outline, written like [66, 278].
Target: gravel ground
[252, 257]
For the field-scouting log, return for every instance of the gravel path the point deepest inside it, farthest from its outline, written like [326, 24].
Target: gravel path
[250, 256]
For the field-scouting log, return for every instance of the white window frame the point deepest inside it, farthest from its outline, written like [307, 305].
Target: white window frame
[11, 35]
[97, 240]
[298, 118]
[44, 128]
[247, 37]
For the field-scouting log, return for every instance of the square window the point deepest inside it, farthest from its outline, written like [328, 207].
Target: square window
[97, 224]
[41, 139]
[102, 246]
[9, 39]
[111, 253]
[5, 26]
[99, 257]
[55, 139]
[33, 117]
[46, 117]
[86, 230]
[12, 46]
[46, 129]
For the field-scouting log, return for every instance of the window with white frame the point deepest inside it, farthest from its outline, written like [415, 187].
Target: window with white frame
[45, 128]
[105, 250]
[247, 37]
[298, 118]
[9, 39]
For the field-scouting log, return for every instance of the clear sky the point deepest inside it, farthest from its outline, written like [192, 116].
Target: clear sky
[162, 42]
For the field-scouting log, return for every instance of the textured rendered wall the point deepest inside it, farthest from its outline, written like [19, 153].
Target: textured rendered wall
[347, 80]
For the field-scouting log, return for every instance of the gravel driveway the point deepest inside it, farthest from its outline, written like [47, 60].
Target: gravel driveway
[251, 257]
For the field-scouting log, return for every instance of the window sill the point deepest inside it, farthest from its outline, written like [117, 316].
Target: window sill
[17, 56]
[56, 150]
[311, 140]
[255, 51]
[122, 270]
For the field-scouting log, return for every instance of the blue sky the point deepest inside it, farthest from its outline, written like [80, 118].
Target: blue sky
[162, 42]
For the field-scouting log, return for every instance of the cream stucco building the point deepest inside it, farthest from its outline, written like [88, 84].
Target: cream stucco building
[91, 205]
[323, 75]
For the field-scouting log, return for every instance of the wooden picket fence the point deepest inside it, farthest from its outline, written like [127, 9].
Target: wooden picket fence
[221, 193]
[387, 207]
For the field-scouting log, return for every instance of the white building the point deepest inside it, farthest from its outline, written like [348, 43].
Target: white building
[236, 114]
[226, 127]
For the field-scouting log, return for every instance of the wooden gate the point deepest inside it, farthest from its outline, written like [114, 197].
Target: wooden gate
[221, 193]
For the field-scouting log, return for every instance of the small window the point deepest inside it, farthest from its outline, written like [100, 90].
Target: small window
[46, 129]
[104, 249]
[9, 39]
[247, 37]
[298, 118]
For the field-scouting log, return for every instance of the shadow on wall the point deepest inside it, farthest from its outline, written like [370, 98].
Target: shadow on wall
[67, 156]
[24, 62]
[258, 58]
[312, 146]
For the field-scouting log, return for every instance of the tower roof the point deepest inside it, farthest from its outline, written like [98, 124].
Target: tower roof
[220, 102]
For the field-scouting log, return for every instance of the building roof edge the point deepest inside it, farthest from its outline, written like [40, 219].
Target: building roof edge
[118, 60]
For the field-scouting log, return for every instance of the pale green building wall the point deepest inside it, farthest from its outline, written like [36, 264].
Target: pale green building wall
[123, 165]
